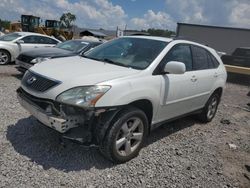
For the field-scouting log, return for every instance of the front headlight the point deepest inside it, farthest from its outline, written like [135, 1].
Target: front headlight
[39, 60]
[84, 96]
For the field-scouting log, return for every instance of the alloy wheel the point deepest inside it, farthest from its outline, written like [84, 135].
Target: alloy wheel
[129, 137]
[212, 107]
[4, 58]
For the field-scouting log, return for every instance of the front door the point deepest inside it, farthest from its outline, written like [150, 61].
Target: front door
[178, 90]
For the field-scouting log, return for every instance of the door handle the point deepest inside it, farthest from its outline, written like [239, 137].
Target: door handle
[193, 79]
[216, 75]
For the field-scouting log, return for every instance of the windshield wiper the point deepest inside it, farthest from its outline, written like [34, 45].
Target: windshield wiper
[106, 60]
[91, 58]
[113, 62]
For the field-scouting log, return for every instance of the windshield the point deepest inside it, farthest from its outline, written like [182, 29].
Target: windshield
[72, 45]
[10, 37]
[131, 52]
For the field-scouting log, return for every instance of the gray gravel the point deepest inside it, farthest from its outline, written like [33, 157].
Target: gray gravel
[184, 153]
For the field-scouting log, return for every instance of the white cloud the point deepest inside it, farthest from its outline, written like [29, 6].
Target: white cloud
[240, 15]
[105, 14]
[234, 13]
[97, 13]
[153, 20]
[187, 11]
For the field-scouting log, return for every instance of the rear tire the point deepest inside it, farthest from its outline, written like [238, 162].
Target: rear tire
[126, 135]
[5, 57]
[210, 108]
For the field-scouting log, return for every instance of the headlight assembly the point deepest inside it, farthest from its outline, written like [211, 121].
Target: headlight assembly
[84, 96]
[39, 60]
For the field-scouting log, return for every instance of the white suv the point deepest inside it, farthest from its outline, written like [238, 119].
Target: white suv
[118, 92]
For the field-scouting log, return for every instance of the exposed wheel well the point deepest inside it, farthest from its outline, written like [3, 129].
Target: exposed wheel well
[219, 91]
[146, 106]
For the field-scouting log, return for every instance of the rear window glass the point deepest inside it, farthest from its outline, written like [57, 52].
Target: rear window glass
[242, 52]
[72, 45]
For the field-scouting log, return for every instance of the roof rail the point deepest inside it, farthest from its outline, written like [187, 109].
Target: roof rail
[189, 39]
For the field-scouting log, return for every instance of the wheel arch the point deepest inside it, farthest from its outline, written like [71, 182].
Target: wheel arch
[146, 106]
[9, 52]
[219, 91]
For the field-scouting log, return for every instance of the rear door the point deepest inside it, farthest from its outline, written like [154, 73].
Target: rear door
[205, 73]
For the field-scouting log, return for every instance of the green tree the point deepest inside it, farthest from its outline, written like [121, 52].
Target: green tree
[160, 32]
[67, 19]
[4, 24]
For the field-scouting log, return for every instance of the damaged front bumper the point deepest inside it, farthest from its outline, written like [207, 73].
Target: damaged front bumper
[73, 122]
[46, 116]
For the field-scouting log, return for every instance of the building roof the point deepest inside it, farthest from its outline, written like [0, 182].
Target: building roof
[95, 33]
[213, 26]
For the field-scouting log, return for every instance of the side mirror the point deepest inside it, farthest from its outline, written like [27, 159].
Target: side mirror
[175, 67]
[20, 42]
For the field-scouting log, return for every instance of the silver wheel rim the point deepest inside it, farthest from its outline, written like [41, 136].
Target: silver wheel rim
[3, 58]
[129, 137]
[212, 108]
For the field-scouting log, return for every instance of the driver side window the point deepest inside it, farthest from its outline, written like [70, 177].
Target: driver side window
[181, 53]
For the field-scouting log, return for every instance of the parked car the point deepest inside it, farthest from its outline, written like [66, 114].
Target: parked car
[68, 48]
[121, 90]
[11, 45]
[240, 57]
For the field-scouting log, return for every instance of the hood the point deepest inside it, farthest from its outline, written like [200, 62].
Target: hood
[77, 71]
[48, 52]
[7, 43]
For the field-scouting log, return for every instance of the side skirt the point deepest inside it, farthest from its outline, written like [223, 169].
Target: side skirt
[156, 125]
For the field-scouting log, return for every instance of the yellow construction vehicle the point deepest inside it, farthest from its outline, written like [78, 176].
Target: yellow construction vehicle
[31, 23]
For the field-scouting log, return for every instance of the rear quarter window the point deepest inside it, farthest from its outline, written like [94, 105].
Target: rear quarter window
[203, 59]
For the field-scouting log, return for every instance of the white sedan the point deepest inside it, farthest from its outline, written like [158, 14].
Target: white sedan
[11, 45]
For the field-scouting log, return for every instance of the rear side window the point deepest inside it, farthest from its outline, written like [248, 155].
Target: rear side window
[200, 58]
[31, 39]
[203, 59]
[47, 40]
[213, 61]
[181, 53]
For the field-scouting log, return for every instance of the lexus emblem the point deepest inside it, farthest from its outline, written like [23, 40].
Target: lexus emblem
[31, 80]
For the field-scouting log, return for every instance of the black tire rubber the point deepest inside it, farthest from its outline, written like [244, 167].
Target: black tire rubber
[9, 56]
[203, 115]
[107, 146]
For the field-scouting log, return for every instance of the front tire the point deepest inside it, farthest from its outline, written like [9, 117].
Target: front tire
[5, 57]
[126, 135]
[210, 108]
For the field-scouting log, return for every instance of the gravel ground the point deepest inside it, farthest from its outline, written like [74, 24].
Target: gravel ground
[183, 153]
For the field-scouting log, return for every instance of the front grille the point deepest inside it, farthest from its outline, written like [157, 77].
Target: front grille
[25, 58]
[38, 83]
[41, 103]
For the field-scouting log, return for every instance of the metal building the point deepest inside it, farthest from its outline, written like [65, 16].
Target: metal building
[223, 39]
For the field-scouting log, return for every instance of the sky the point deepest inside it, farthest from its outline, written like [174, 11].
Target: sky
[134, 14]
